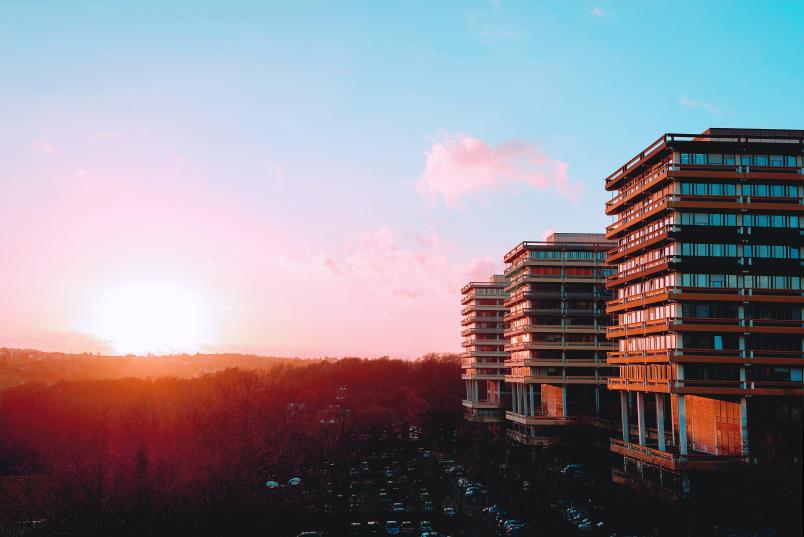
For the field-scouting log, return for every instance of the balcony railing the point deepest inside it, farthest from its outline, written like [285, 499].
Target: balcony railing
[692, 385]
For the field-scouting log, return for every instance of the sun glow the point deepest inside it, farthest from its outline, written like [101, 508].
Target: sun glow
[151, 318]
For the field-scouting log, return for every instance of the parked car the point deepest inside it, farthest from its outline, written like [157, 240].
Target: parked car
[399, 507]
[450, 512]
[392, 527]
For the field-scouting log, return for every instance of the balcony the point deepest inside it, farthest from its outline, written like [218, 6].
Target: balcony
[672, 460]
[489, 404]
[640, 271]
[699, 324]
[708, 387]
[562, 345]
[726, 356]
[654, 176]
[557, 379]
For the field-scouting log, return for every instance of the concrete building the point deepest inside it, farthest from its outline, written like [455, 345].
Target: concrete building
[483, 357]
[555, 327]
[708, 304]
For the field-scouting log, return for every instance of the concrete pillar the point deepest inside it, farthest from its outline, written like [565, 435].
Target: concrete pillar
[744, 424]
[682, 425]
[513, 397]
[524, 400]
[640, 402]
[624, 415]
[532, 406]
[564, 400]
[468, 396]
[597, 400]
[660, 420]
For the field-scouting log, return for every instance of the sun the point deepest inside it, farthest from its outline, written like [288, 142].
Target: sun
[153, 318]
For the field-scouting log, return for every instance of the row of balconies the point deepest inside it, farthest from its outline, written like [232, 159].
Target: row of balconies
[637, 214]
[697, 324]
[676, 355]
[663, 294]
[708, 387]
[561, 345]
[560, 328]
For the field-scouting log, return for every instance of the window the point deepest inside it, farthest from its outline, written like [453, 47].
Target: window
[729, 160]
[777, 160]
[760, 160]
[746, 160]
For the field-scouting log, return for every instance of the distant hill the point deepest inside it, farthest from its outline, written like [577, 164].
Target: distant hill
[23, 366]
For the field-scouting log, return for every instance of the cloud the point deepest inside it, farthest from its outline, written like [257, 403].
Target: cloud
[693, 104]
[379, 260]
[597, 11]
[43, 145]
[105, 135]
[460, 165]
[490, 36]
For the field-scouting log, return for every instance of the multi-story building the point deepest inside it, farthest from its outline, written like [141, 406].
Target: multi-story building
[484, 355]
[555, 327]
[708, 304]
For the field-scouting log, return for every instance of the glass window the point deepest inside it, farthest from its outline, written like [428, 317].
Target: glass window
[791, 160]
[686, 158]
[716, 189]
[745, 160]
[715, 158]
[700, 158]
[728, 160]
[760, 160]
[776, 160]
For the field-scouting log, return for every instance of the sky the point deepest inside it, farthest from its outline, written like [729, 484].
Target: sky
[321, 178]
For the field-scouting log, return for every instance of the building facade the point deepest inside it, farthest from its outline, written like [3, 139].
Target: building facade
[707, 304]
[483, 357]
[555, 327]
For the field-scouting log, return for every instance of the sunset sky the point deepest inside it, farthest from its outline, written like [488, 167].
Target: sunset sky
[310, 179]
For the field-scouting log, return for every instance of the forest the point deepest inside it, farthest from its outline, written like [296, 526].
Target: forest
[193, 454]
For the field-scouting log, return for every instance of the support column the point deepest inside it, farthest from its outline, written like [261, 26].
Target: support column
[524, 400]
[597, 399]
[624, 415]
[468, 396]
[682, 425]
[532, 406]
[513, 397]
[660, 420]
[564, 400]
[744, 424]
[640, 403]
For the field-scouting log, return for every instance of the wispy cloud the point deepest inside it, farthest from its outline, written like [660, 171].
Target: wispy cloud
[112, 136]
[597, 11]
[460, 165]
[489, 36]
[694, 103]
[380, 260]
[44, 145]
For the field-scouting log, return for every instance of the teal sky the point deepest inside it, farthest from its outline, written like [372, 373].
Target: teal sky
[298, 165]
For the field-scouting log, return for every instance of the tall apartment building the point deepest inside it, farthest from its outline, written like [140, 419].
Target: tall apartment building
[483, 357]
[555, 327]
[708, 304]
